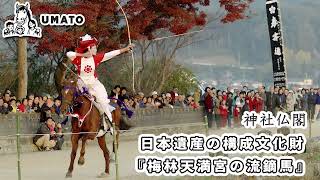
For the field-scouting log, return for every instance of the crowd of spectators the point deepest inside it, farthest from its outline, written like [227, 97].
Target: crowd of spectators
[40, 104]
[156, 100]
[32, 103]
[46, 106]
[225, 107]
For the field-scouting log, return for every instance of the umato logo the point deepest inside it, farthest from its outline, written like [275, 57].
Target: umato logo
[23, 24]
[62, 19]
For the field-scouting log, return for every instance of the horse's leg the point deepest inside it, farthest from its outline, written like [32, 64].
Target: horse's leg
[103, 146]
[117, 119]
[74, 141]
[82, 151]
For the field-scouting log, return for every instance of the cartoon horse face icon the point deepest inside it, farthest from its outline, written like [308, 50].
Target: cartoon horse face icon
[22, 14]
[23, 25]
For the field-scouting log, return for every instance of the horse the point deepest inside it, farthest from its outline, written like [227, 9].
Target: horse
[71, 96]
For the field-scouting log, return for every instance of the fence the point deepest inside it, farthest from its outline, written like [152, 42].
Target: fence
[17, 130]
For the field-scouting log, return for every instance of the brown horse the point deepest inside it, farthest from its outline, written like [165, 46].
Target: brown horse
[90, 125]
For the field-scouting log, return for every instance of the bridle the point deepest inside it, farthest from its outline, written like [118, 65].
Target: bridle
[71, 103]
[67, 101]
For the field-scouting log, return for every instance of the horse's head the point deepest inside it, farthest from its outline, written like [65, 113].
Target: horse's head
[68, 93]
[22, 13]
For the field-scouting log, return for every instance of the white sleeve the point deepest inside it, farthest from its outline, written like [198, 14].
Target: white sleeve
[110, 55]
[71, 55]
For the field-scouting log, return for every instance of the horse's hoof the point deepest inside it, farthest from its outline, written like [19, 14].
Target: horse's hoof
[103, 175]
[81, 161]
[69, 175]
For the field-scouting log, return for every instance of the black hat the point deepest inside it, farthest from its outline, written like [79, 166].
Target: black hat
[50, 118]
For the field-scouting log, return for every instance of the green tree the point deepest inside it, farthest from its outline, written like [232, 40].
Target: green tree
[183, 79]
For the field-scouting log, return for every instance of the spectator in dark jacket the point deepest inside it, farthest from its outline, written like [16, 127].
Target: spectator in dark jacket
[3, 109]
[57, 106]
[304, 100]
[208, 104]
[317, 106]
[246, 107]
[123, 94]
[36, 105]
[115, 92]
[311, 102]
[46, 110]
[230, 108]
[49, 136]
[273, 101]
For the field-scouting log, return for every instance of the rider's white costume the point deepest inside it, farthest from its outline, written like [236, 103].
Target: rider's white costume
[86, 68]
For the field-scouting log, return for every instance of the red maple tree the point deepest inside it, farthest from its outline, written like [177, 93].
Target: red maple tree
[146, 17]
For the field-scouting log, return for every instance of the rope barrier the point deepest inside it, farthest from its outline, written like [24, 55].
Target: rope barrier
[18, 135]
[120, 131]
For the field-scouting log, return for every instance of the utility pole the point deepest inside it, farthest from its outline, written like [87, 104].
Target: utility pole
[22, 68]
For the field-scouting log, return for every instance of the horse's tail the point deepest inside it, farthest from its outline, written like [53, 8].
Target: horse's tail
[125, 108]
[126, 114]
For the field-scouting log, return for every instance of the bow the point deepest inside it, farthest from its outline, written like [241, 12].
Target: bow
[130, 42]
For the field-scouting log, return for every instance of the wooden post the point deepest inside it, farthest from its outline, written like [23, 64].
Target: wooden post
[22, 66]
[18, 145]
[115, 149]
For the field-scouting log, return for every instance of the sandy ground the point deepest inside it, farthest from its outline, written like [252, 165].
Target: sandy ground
[53, 165]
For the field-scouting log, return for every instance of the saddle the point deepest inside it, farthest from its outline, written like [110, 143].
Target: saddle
[105, 123]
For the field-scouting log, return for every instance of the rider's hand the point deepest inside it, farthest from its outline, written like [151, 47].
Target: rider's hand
[130, 47]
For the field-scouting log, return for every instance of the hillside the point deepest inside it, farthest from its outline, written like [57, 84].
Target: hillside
[246, 43]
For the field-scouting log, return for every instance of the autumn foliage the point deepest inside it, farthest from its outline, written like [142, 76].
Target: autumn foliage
[105, 21]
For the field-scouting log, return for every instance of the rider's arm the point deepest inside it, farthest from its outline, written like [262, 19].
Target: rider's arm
[110, 55]
[72, 55]
[114, 53]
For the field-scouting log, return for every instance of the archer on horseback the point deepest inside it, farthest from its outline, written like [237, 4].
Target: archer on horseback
[86, 59]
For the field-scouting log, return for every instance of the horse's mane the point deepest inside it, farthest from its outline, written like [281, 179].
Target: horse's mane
[59, 75]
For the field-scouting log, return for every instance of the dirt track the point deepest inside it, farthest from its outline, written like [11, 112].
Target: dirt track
[53, 165]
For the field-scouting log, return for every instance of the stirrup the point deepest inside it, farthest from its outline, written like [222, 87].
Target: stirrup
[106, 121]
[100, 133]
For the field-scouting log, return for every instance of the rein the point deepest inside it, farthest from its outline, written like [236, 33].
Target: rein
[75, 95]
[81, 120]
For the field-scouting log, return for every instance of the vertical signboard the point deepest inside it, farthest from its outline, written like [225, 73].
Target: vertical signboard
[276, 41]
